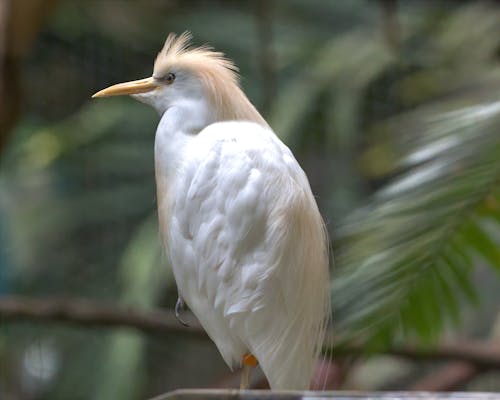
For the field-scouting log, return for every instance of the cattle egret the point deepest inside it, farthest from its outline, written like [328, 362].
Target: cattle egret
[246, 241]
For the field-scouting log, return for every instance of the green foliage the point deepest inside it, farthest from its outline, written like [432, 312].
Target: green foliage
[406, 259]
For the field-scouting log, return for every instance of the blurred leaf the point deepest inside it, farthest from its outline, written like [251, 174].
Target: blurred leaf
[479, 240]
[406, 257]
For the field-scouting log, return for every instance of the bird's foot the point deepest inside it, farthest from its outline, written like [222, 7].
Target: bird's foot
[248, 362]
[179, 307]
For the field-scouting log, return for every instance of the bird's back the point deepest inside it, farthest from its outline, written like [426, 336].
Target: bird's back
[248, 249]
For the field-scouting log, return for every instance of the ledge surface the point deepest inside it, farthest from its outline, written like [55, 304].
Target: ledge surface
[232, 394]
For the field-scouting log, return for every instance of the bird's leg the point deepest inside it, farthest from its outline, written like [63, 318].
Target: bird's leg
[179, 307]
[248, 362]
[245, 377]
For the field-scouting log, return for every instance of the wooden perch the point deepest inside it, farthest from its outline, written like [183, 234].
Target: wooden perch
[206, 394]
[450, 377]
[92, 313]
[482, 354]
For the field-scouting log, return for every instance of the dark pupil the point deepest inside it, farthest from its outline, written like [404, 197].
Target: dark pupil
[170, 77]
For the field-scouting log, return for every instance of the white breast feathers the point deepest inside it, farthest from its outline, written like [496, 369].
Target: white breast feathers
[248, 250]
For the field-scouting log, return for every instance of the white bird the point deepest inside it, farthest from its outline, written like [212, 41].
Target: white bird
[245, 239]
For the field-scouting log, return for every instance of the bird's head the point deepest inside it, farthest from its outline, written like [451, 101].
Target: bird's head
[183, 74]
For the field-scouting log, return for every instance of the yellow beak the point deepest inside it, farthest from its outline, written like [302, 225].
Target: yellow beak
[132, 87]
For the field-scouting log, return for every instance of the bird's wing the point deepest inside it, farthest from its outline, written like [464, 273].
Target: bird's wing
[241, 210]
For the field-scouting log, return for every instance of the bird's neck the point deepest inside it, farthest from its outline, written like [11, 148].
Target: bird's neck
[185, 118]
[232, 104]
[179, 124]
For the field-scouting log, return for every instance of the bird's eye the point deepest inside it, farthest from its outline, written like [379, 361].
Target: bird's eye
[169, 78]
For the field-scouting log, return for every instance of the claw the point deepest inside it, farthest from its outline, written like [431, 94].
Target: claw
[179, 307]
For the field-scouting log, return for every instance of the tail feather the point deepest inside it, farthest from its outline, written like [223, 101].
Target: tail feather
[288, 345]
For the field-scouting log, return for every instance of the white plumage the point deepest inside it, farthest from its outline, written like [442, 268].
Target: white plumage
[244, 235]
[235, 238]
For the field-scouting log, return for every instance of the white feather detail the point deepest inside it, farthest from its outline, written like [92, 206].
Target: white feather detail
[249, 249]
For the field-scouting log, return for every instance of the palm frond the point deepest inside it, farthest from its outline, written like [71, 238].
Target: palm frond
[404, 260]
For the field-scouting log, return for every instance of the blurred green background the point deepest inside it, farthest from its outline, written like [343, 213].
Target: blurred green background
[391, 107]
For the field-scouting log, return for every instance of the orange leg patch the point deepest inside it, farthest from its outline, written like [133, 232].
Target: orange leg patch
[249, 360]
